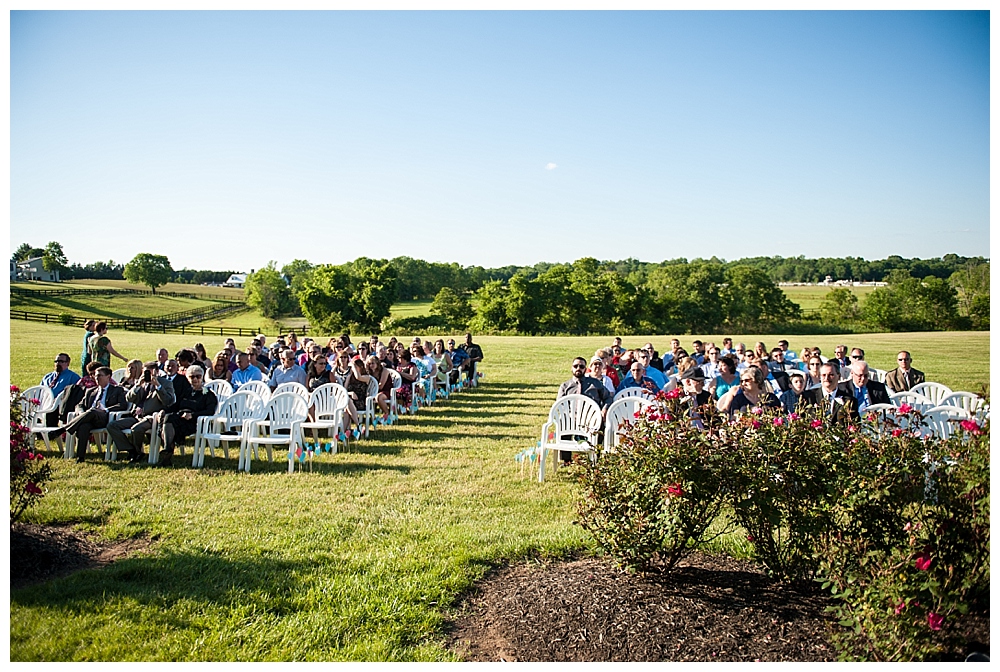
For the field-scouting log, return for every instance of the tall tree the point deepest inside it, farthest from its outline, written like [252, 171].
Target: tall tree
[454, 307]
[152, 270]
[25, 251]
[267, 291]
[54, 259]
[356, 296]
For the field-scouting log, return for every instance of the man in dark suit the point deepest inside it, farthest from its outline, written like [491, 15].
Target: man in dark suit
[179, 382]
[153, 394]
[837, 404]
[93, 411]
[905, 377]
[865, 392]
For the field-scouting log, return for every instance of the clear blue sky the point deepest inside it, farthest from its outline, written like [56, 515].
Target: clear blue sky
[225, 139]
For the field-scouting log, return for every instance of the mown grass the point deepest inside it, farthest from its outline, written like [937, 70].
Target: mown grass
[361, 559]
[809, 297]
[121, 307]
[220, 292]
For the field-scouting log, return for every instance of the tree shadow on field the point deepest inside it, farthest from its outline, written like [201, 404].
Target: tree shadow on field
[206, 577]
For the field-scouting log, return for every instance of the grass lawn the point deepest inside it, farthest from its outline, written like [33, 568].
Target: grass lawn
[810, 297]
[252, 319]
[220, 292]
[122, 307]
[361, 559]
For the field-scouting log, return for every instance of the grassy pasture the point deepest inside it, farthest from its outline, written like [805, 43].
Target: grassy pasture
[361, 559]
[809, 297]
[122, 307]
[220, 292]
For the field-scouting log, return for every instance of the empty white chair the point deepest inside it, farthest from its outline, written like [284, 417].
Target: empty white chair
[621, 413]
[630, 392]
[918, 401]
[573, 424]
[933, 391]
[297, 388]
[258, 387]
[941, 420]
[280, 426]
[971, 403]
[328, 403]
[33, 414]
[877, 374]
[118, 375]
[397, 382]
[231, 414]
[221, 387]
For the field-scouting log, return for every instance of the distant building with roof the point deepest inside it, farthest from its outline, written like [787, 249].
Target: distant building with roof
[236, 280]
[32, 269]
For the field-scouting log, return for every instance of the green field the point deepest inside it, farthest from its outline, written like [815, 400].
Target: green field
[124, 306]
[220, 292]
[809, 297]
[363, 559]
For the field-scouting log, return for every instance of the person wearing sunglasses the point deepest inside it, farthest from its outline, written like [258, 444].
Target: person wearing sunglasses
[57, 380]
[904, 377]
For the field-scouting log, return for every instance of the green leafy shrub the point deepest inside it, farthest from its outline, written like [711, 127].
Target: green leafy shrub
[28, 473]
[657, 493]
[66, 319]
[911, 547]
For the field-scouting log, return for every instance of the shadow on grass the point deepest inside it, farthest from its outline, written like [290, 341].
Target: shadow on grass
[207, 577]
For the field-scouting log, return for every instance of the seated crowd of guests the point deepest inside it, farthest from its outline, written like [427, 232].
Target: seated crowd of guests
[732, 378]
[172, 389]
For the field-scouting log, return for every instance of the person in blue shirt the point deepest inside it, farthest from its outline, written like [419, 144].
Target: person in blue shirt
[643, 357]
[58, 380]
[244, 373]
[637, 378]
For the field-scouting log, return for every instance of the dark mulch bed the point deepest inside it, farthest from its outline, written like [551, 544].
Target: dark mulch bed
[710, 608]
[41, 553]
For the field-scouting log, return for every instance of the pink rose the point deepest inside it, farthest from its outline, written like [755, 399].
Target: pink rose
[750, 538]
[637, 415]
[923, 562]
[899, 607]
[971, 426]
[816, 424]
[778, 422]
[673, 394]
[897, 432]
[675, 490]
[758, 411]
[755, 424]
[904, 409]
[934, 621]
[852, 428]
[793, 416]
[32, 488]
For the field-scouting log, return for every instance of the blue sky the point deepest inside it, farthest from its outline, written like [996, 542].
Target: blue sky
[226, 139]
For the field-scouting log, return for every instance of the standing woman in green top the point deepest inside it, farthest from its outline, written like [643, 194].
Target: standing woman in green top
[85, 358]
[100, 346]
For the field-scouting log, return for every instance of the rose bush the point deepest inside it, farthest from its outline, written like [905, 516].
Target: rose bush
[28, 470]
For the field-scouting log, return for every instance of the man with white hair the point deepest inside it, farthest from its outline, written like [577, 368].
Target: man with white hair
[864, 390]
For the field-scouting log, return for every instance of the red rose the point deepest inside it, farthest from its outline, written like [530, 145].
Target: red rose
[934, 621]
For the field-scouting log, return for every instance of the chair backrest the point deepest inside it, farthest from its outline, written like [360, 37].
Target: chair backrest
[328, 399]
[933, 391]
[284, 409]
[241, 406]
[259, 387]
[877, 374]
[621, 413]
[43, 393]
[221, 387]
[372, 386]
[576, 415]
[630, 392]
[297, 388]
[967, 401]
[918, 401]
[118, 375]
[397, 380]
[941, 419]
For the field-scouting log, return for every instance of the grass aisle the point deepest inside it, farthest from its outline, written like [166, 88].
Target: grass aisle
[356, 561]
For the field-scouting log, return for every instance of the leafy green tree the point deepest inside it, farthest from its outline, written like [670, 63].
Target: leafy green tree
[356, 296]
[493, 299]
[753, 302]
[911, 304]
[972, 282]
[152, 270]
[25, 251]
[297, 273]
[839, 306]
[267, 291]
[54, 259]
[454, 307]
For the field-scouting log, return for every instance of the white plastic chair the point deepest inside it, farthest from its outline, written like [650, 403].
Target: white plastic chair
[918, 401]
[621, 413]
[118, 375]
[100, 436]
[33, 415]
[221, 387]
[297, 388]
[630, 392]
[941, 420]
[933, 391]
[572, 419]
[214, 430]
[971, 403]
[285, 412]
[877, 374]
[397, 382]
[366, 417]
[328, 403]
[259, 388]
